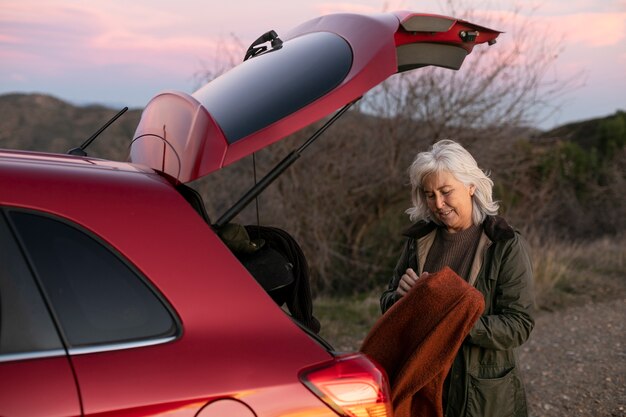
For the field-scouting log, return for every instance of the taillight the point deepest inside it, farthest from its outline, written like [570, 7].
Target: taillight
[351, 385]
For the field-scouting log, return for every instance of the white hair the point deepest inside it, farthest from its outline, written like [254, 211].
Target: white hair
[449, 156]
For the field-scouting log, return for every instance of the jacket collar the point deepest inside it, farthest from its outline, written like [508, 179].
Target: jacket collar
[495, 227]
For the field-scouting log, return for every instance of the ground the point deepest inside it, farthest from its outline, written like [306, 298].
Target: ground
[575, 361]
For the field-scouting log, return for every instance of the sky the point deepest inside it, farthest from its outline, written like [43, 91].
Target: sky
[123, 52]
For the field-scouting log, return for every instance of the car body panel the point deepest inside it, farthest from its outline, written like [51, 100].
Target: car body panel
[375, 47]
[50, 385]
[215, 350]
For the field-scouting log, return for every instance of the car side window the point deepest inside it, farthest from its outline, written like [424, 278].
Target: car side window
[97, 297]
[25, 323]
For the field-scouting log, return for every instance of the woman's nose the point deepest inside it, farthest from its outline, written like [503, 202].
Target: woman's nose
[439, 203]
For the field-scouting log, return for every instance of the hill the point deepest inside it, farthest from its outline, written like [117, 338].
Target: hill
[39, 122]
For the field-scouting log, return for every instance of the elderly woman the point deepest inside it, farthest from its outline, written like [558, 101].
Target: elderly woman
[456, 226]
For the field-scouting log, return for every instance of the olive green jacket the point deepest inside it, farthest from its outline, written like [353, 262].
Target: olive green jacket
[484, 378]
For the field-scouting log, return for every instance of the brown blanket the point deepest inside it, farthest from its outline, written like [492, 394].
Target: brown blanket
[416, 340]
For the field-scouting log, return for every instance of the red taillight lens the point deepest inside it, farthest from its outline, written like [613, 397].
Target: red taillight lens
[351, 385]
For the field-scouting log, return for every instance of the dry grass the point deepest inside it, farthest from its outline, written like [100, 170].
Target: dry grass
[553, 261]
[566, 273]
[346, 320]
[606, 255]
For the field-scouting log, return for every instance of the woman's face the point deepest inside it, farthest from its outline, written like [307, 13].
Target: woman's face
[449, 200]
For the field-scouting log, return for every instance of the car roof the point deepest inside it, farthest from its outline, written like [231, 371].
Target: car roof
[65, 161]
[317, 68]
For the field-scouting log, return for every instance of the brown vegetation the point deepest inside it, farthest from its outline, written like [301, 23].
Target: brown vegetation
[344, 200]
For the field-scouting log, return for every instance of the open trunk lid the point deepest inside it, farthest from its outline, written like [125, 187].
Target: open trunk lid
[317, 68]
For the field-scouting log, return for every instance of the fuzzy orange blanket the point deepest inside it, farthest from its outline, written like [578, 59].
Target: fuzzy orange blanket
[416, 340]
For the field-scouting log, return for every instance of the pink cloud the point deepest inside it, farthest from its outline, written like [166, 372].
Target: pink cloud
[329, 8]
[67, 34]
[590, 29]
[566, 32]
[8, 39]
[561, 7]
[359, 7]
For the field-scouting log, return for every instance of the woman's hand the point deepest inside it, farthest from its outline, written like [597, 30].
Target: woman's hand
[407, 280]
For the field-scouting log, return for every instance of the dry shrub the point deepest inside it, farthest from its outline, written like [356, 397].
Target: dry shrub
[553, 261]
[606, 255]
[575, 266]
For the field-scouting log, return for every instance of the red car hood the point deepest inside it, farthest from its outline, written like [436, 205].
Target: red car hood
[321, 66]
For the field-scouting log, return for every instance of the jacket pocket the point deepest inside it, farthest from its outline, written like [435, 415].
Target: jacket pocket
[492, 397]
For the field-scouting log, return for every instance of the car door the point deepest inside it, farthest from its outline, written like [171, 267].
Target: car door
[36, 377]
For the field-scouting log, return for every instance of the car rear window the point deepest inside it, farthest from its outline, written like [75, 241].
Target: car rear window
[283, 80]
[97, 297]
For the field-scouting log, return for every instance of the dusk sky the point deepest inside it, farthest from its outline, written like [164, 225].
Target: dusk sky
[121, 53]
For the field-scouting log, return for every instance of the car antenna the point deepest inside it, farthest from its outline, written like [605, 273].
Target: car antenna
[80, 151]
[257, 188]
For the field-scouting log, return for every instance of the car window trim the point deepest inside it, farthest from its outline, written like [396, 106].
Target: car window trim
[108, 347]
[41, 354]
[10, 357]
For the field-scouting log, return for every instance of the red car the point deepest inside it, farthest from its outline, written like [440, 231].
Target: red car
[118, 296]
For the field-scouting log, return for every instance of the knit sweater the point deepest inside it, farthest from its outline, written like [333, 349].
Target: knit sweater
[455, 250]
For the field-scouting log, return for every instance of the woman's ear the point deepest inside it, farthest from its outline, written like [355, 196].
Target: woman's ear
[472, 189]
